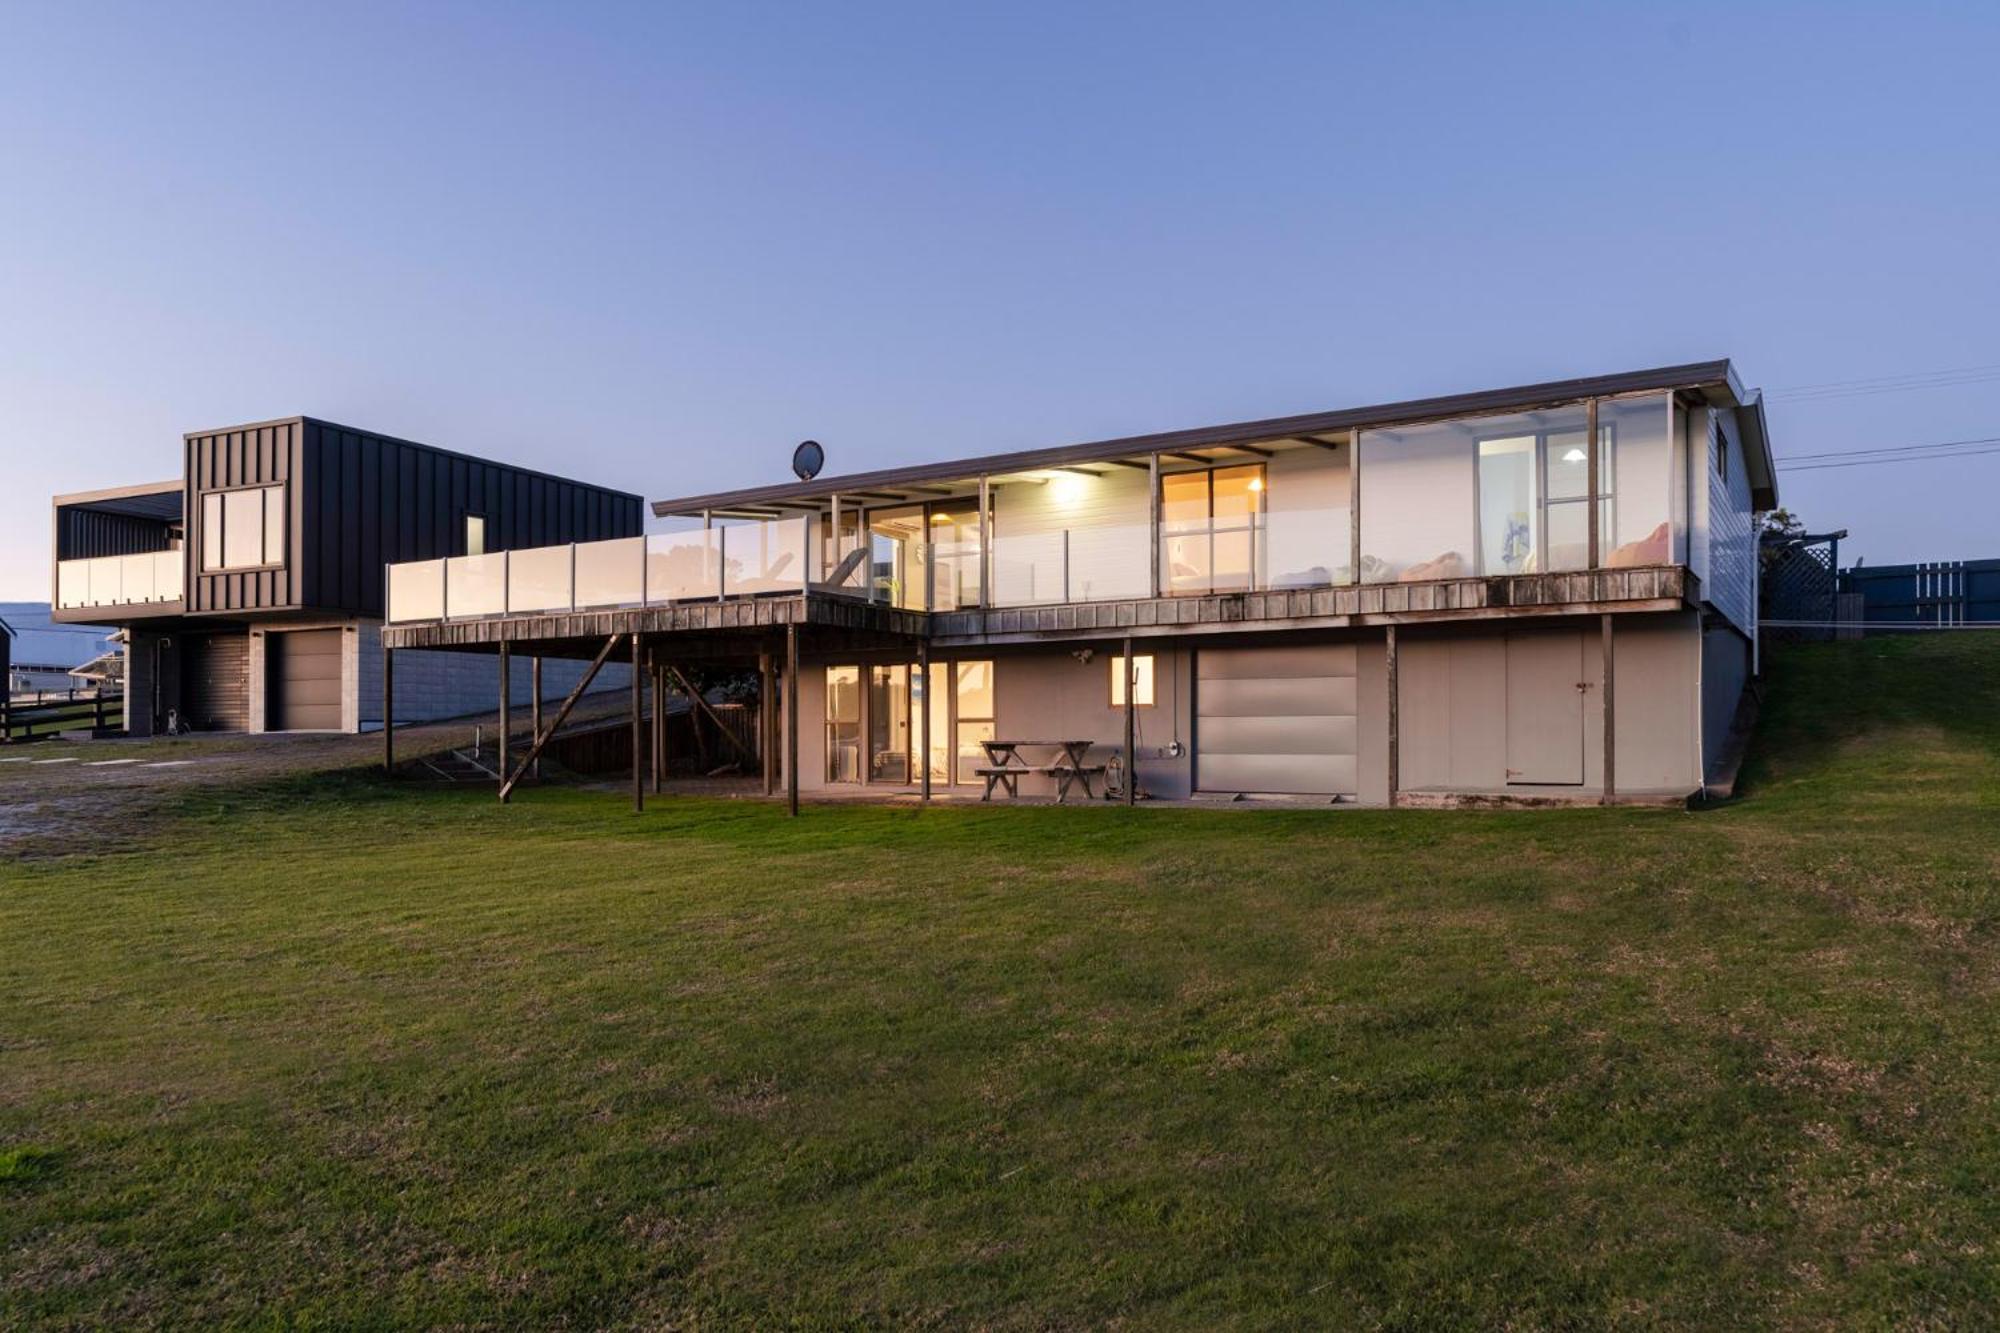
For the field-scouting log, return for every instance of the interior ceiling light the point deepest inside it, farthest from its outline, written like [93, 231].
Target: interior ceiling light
[940, 518]
[1256, 483]
[1574, 456]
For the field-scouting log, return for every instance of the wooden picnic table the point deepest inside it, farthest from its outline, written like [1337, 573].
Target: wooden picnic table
[1005, 765]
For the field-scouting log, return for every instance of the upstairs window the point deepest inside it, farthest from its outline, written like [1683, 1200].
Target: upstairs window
[475, 534]
[243, 528]
[1722, 455]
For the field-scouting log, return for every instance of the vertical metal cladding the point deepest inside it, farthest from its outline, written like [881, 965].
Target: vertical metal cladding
[357, 501]
[82, 533]
[259, 455]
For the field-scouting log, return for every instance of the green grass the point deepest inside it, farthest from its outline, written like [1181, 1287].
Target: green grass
[341, 1054]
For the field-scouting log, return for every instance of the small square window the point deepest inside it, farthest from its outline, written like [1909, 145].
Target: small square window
[1142, 681]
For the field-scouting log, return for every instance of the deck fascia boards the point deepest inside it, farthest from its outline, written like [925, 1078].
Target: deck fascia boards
[1591, 592]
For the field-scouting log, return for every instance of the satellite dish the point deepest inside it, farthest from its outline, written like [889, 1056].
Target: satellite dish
[808, 459]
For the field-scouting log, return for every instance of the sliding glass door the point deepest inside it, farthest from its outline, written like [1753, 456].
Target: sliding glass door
[1209, 524]
[843, 724]
[960, 699]
[889, 724]
[896, 556]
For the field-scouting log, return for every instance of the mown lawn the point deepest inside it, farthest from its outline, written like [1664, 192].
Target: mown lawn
[346, 1055]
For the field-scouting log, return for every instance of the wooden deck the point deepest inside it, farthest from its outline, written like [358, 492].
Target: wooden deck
[741, 620]
[1654, 588]
[832, 621]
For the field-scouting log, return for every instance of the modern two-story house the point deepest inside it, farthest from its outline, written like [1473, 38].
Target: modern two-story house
[1545, 591]
[249, 589]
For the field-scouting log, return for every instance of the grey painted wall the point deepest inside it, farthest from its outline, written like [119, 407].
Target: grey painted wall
[1725, 674]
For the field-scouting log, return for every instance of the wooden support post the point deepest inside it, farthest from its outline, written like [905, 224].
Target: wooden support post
[1610, 719]
[792, 719]
[1354, 506]
[924, 719]
[658, 732]
[985, 541]
[506, 717]
[1131, 725]
[707, 709]
[638, 733]
[388, 710]
[1595, 538]
[1395, 721]
[534, 707]
[660, 725]
[1153, 524]
[767, 684]
[562, 714]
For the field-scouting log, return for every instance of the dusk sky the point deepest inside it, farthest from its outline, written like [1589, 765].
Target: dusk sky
[656, 246]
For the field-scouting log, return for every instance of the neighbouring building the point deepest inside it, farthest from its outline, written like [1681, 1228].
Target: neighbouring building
[1546, 591]
[249, 588]
[43, 658]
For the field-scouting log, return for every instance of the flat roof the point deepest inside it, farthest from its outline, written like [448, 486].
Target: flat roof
[158, 500]
[1718, 378]
[329, 424]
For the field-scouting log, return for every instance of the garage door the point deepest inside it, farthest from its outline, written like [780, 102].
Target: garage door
[1276, 720]
[215, 682]
[303, 682]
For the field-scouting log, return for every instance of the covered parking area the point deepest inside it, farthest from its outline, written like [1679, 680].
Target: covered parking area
[764, 634]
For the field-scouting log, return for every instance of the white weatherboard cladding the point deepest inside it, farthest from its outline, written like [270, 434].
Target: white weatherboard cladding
[1107, 518]
[1278, 720]
[1730, 583]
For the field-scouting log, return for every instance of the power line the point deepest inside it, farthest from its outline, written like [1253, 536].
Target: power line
[1891, 449]
[1902, 458]
[1929, 379]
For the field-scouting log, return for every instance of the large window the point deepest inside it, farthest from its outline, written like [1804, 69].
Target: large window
[243, 529]
[1511, 494]
[874, 714]
[1209, 524]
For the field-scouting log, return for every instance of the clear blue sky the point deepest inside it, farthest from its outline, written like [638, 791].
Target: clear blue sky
[655, 246]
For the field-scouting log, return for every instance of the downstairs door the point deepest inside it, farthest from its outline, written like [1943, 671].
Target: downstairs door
[1545, 689]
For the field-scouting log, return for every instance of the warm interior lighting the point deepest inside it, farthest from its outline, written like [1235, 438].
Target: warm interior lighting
[1068, 488]
[1256, 483]
[940, 518]
[1574, 456]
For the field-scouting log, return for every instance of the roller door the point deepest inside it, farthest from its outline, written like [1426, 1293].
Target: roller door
[302, 680]
[215, 682]
[1279, 720]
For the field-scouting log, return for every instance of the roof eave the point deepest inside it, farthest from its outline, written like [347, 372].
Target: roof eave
[1718, 374]
[1756, 433]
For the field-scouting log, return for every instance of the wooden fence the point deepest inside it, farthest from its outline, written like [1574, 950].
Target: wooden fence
[30, 718]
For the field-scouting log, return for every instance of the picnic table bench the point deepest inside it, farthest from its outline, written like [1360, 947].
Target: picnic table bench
[1067, 766]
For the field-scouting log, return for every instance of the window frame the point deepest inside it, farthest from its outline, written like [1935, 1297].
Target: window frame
[216, 532]
[1210, 526]
[1147, 676]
